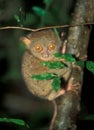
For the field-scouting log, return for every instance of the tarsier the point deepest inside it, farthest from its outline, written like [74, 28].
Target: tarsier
[41, 46]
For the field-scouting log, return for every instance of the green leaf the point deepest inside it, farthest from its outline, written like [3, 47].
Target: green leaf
[47, 2]
[80, 63]
[54, 65]
[56, 32]
[4, 119]
[17, 18]
[30, 19]
[15, 121]
[22, 47]
[45, 63]
[56, 83]
[90, 66]
[58, 55]
[89, 117]
[67, 57]
[39, 11]
[44, 76]
[49, 18]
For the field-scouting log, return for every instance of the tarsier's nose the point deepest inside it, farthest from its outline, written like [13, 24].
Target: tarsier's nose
[45, 55]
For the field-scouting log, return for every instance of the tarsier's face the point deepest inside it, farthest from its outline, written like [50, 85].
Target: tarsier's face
[43, 45]
[44, 48]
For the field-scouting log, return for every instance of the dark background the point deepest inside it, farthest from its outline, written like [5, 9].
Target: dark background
[15, 100]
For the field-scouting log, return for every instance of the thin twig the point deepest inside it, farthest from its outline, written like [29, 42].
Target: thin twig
[43, 28]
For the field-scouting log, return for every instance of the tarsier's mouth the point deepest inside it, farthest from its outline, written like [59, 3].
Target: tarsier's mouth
[46, 59]
[45, 55]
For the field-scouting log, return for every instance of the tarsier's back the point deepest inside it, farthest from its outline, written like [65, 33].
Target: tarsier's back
[41, 46]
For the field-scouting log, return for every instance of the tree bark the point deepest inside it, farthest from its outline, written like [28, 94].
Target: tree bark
[78, 39]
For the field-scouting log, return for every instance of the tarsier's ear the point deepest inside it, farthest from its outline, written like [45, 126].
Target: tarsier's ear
[26, 41]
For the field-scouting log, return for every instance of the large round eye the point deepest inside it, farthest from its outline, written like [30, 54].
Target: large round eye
[38, 47]
[51, 46]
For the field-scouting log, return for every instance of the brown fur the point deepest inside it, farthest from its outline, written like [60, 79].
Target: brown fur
[31, 65]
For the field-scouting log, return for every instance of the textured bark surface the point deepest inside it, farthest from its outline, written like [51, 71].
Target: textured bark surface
[79, 35]
[78, 39]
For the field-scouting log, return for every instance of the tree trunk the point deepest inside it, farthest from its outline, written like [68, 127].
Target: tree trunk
[78, 39]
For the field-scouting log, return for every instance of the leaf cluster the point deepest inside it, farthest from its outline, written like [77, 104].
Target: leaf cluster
[57, 65]
[48, 12]
[48, 76]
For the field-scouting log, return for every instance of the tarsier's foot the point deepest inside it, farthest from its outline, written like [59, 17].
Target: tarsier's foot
[72, 86]
[61, 92]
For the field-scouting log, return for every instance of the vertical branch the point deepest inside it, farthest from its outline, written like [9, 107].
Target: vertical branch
[79, 35]
[68, 105]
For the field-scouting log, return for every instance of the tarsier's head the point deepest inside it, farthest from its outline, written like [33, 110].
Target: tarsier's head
[43, 44]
